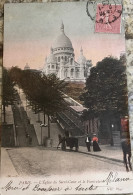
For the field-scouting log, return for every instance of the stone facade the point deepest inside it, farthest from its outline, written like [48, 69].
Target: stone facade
[61, 60]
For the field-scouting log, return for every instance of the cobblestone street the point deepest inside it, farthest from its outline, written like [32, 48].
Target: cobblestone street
[47, 162]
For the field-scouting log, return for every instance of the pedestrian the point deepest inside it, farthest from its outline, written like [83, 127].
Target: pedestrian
[62, 142]
[126, 148]
[26, 135]
[30, 139]
[70, 134]
[88, 142]
[96, 147]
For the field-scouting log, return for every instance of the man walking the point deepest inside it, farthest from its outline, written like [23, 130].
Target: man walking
[88, 142]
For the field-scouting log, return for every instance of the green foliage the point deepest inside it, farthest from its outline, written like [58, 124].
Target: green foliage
[8, 92]
[45, 92]
[15, 74]
[8, 95]
[106, 88]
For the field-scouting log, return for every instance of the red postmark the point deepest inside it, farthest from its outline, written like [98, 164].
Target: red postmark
[108, 18]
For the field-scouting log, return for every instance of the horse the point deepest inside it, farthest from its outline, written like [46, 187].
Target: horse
[68, 141]
[126, 148]
[72, 142]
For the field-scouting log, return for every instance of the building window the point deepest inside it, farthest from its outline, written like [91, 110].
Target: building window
[62, 57]
[58, 59]
[65, 58]
[65, 73]
[71, 61]
[72, 71]
[52, 66]
[77, 73]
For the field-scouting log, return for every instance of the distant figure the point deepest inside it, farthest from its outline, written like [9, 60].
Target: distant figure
[88, 142]
[29, 139]
[96, 147]
[62, 142]
[28, 121]
[26, 135]
[126, 148]
[70, 134]
[66, 133]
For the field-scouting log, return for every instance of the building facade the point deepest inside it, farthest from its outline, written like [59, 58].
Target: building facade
[61, 60]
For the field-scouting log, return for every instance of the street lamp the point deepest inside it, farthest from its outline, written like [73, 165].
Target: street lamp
[42, 125]
[38, 120]
[112, 141]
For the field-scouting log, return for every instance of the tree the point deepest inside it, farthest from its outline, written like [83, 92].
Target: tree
[52, 97]
[8, 95]
[44, 92]
[106, 90]
[15, 74]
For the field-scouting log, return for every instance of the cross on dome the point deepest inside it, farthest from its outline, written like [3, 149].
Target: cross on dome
[81, 50]
[62, 27]
[62, 41]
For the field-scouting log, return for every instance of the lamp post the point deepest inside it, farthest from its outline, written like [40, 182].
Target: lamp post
[38, 120]
[112, 141]
[42, 125]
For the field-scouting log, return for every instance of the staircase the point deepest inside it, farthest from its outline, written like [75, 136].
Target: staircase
[23, 126]
[69, 124]
[116, 138]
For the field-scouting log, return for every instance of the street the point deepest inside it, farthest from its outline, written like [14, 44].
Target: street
[46, 162]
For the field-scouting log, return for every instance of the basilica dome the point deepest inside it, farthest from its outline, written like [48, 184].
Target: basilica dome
[26, 67]
[62, 41]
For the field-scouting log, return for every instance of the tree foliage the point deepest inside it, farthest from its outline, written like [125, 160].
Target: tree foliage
[44, 92]
[106, 88]
[8, 92]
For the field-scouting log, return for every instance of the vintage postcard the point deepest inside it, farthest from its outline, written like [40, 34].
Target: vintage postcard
[65, 121]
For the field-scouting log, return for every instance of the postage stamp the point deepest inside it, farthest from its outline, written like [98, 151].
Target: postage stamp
[108, 18]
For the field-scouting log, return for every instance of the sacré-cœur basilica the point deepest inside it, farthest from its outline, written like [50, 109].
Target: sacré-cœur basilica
[61, 60]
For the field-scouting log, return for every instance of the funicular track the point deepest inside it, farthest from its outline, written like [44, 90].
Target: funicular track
[68, 122]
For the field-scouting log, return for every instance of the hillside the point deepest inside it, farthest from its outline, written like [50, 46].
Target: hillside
[74, 90]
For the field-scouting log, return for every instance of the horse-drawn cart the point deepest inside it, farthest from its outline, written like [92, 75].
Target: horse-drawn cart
[70, 142]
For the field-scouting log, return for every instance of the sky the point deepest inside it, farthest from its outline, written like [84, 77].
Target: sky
[31, 28]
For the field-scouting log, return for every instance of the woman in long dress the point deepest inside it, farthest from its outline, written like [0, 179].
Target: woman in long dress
[96, 147]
